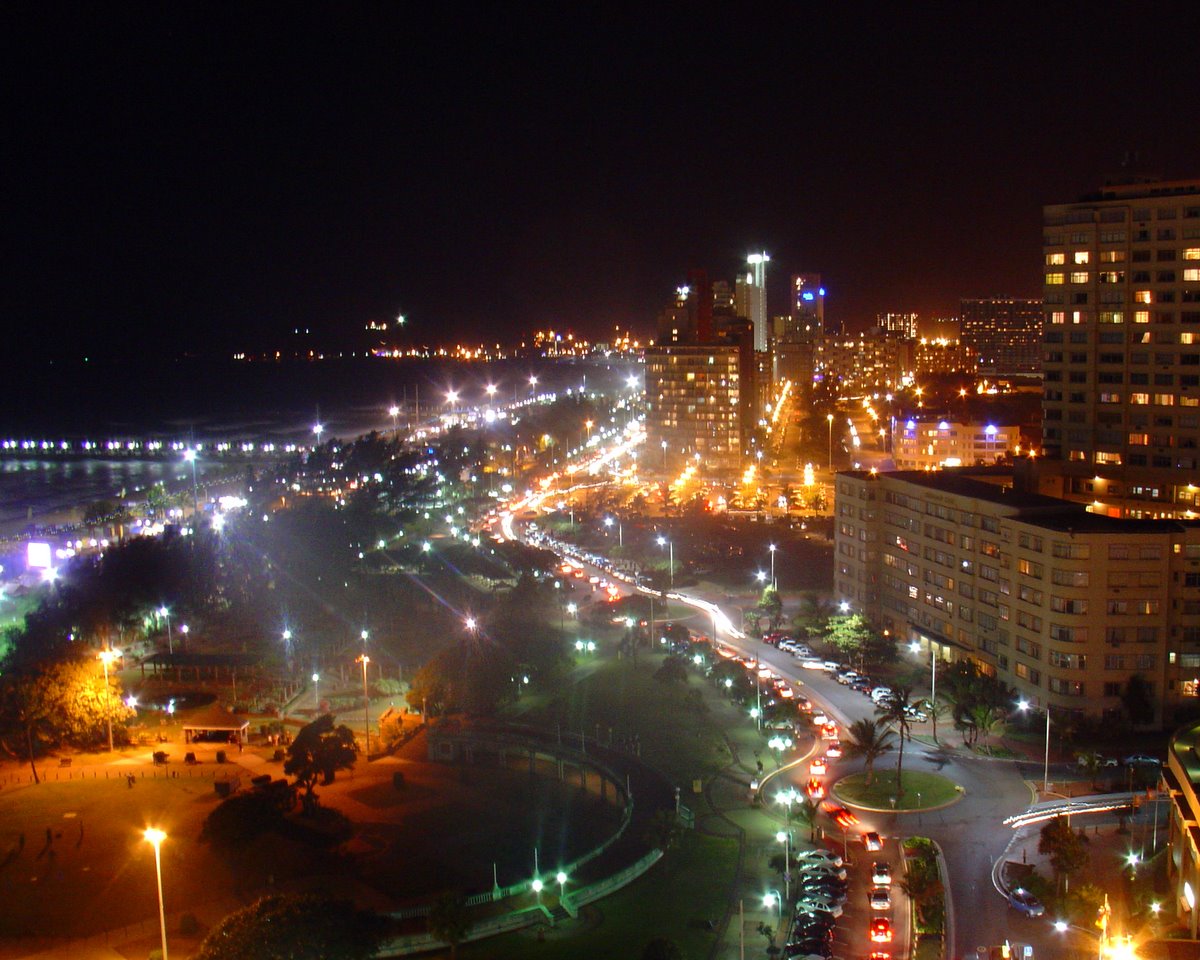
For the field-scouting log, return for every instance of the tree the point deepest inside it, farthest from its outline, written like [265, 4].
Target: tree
[1066, 849]
[897, 709]
[869, 739]
[1138, 700]
[937, 708]
[450, 921]
[296, 927]
[848, 632]
[672, 671]
[770, 605]
[660, 948]
[317, 753]
[923, 885]
[1089, 760]
[805, 813]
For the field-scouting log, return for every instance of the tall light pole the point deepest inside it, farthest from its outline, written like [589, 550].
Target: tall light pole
[190, 456]
[533, 382]
[394, 412]
[316, 679]
[165, 613]
[105, 657]
[664, 542]
[774, 584]
[664, 448]
[364, 660]
[155, 837]
[1024, 705]
[786, 839]
[608, 522]
[184, 630]
[829, 420]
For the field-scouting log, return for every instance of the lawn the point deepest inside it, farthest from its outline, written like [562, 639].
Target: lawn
[673, 900]
[921, 790]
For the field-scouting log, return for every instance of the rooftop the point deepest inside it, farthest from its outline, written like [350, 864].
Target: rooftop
[963, 482]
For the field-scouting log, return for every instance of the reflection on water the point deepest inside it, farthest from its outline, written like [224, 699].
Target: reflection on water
[46, 485]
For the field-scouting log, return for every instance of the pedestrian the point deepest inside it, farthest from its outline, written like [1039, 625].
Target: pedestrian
[239, 742]
[131, 779]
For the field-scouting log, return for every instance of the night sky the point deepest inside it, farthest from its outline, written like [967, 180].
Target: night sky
[206, 177]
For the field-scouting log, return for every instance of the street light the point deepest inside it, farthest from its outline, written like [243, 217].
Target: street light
[190, 456]
[664, 542]
[773, 901]
[916, 648]
[664, 448]
[561, 879]
[785, 838]
[364, 660]
[774, 585]
[829, 420]
[1024, 705]
[184, 630]
[166, 614]
[155, 837]
[394, 412]
[105, 657]
[608, 522]
[470, 623]
[316, 678]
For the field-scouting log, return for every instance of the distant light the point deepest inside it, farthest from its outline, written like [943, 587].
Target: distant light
[821, 291]
[807, 295]
[989, 430]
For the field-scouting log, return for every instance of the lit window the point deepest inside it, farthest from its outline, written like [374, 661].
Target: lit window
[1191, 275]
[1139, 439]
[1187, 338]
[1054, 279]
[1113, 256]
[1139, 398]
[1081, 256]
[1110, 398]
[1141, 316]
[1164, 399]
[1111, 276]
[1058, 259]
[1191, 253]
[1078, 316]
[1079, 276]
[1058, 316]
[1139, 296]
[1111, 316]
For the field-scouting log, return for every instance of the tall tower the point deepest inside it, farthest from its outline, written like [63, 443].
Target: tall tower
[756, 295]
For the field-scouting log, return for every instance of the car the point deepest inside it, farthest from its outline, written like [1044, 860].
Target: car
[881, 930]
[1101, 760]
[804, 705]
[816, 917]
[846, 677]
[833, 749]
[819, 854]
[879, 955]
[820, 871]
[843, 817]
[830, 666]
[878, 694]
[880, 898]
[812, 663]
[872, 841]
[788, 645]
[815, 789]
[829, 731]
[814, 902]
[831, 893]
[801, 652]
[1138, 759]
[915, 714]
[819, 719]
[881, 874]
[785, 692]
[1025, 902]
[818, 767]
[862, 685]
[808, 951]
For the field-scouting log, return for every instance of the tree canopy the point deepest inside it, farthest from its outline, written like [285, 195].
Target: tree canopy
[296, 927]
[318, 752]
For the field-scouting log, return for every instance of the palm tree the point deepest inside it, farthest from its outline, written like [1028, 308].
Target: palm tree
[805, 813]
[449, 921]
[869, 739]
[896, 709]
[937, 708]
[1090, 761]
[923, 886]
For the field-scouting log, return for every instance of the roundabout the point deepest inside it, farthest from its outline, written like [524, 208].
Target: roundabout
[922, 790]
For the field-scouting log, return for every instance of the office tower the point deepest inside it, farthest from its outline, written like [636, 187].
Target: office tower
[898, 324]
[750, 297]
[1121, 344]
[1004, 332]
[807, 308]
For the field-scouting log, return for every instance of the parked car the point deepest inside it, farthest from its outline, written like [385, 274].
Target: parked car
[1101, 760]
[821, 869]
[807, 903]
[827, 856]
[812, 663]
[1137, 759]
[878, 694]
[862, 685]
[1025, 902]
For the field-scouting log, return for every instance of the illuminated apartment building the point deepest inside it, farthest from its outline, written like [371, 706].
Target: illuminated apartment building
[1004, 332]
[933, 444]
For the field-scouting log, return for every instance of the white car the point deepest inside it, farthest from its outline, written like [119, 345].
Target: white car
[881, 874]
[832, 907]
[822, 869]
[812, 663]
[879, 694]
[881, 898]
[819, 854]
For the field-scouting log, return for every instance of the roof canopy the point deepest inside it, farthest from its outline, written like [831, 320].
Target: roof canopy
[216, 718]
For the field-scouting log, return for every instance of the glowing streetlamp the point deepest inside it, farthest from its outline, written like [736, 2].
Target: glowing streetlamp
[318, 429]
[664, 449]
[155, 837]
[785, 838]
[609, 521]
[316, 679]
[829, 420]
[106, 656]
[533, 382]
[664, 542]
[470, 623]
[364, 660]
[561, 879]
[394, 412]
[190, 456]
[184, 630]
[165, 613]
[774, 583]
[1024, 705]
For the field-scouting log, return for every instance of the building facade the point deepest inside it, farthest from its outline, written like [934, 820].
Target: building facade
[1004, 332]
[1181, 777]
[851, 366]
[941, 357]
[694, 406]
[1065, 605]
[933, 444]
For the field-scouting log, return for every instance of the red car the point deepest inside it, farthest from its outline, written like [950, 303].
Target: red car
[817, 767]
[844, 818]
[881, 930]
[815, 789]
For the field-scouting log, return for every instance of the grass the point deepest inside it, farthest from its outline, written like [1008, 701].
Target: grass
[691, 884]
[932, 789]
[928, 948]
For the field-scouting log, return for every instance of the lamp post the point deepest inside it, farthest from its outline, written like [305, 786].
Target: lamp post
[785, 838]
[533, 382]
[772, 900]
[316, 679]
[364, 660]
[774, 584]
[608, 522]
[916, 648]
[664, 449]
[155, 837]
[105, 657]
[165, 613]
[1024, 705]
[190, 456]
[184, 630]
[561, 879]
[394, 412]
[829, 420]
[664, 542]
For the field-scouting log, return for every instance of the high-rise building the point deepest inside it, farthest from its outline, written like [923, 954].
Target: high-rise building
[898, 324]
[807, 308]
[1004, 332]
[750, 297]
[1121, 345]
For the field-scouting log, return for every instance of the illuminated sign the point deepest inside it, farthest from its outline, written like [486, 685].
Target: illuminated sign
[37, 556]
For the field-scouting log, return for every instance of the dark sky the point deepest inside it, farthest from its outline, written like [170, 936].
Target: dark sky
[206, 176]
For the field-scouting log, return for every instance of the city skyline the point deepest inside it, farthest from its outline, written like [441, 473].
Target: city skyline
[209, 179]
